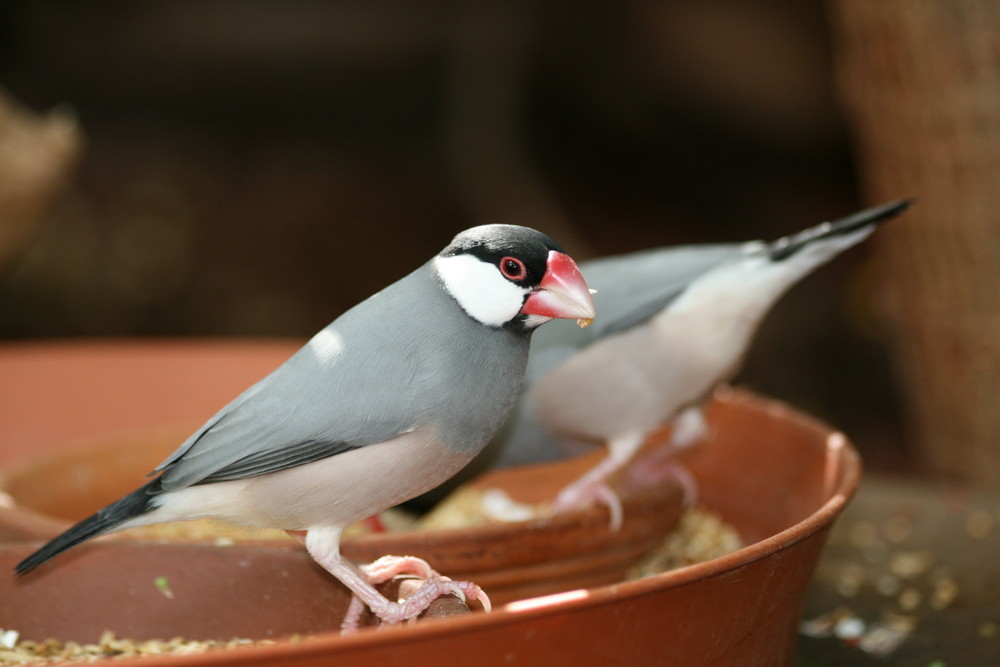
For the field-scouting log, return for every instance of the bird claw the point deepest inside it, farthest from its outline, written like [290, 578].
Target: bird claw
[467, 590]
[387, 567]
[660, 467]
[583, 492]
[464, 590]
[434, 586]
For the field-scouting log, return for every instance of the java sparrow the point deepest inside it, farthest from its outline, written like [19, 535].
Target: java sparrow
[389, 400]
[675, 322]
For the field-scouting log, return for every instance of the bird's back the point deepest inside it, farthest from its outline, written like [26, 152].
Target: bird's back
[353, 384]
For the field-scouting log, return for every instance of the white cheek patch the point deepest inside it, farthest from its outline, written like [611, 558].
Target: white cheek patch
[480, 289]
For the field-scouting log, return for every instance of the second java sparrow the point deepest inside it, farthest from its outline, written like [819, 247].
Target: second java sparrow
[389, 400]
[675, 323]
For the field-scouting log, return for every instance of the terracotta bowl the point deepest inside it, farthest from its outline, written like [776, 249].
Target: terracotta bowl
[43, 493]
[778, 476]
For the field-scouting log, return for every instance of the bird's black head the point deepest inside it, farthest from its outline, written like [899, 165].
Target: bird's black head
[521, 254]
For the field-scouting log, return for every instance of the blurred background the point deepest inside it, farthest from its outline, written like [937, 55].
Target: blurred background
[252, 169]
[255, 168]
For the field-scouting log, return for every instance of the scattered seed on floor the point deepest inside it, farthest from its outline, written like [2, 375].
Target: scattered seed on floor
[863, 534]
[898, 528]
[978, 524]
[944, 594]
[910, 564]
[887, 585]
[988, 630]
[909, 598]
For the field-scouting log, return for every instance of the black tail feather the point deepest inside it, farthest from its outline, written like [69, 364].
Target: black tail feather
[104, 521]
[789, 245]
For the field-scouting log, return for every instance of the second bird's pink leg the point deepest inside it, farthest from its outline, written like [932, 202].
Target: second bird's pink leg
[592, 486]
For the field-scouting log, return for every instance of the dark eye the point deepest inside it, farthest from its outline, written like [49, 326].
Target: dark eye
[512, 268]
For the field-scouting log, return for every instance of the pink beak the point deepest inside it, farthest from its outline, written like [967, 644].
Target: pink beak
[562, 292]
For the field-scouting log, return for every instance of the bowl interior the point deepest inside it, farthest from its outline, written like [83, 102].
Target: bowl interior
[83, 478]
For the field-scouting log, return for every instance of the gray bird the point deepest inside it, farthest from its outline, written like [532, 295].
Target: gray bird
[389, 400]
[675, 322]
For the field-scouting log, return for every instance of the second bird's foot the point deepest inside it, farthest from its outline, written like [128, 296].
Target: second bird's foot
[583, 493]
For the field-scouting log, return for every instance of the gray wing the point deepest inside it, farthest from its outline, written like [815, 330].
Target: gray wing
[346, 388]
[634, 287]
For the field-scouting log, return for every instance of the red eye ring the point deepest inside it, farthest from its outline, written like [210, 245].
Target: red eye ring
[512, 268]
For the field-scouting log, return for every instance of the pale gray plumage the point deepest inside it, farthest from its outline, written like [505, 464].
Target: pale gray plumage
[632, 288]
[428, 352]
[675, 322]
[389, 400]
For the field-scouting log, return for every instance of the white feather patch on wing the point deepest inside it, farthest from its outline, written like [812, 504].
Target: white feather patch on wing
[327, 345]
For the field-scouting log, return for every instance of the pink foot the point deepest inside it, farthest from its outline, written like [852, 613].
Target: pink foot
[584, 492]
[393, 613]
[593, 485]
[659, 468]
[323, 544]
[430, 591]
[387, 567]
[434, 586]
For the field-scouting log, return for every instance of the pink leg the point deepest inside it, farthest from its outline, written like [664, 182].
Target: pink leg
[380, 571]
[690, 428]
[592, 486]
[324, 546]
[352, 619]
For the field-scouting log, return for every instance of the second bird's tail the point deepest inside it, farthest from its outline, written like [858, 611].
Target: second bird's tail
[789, 245]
